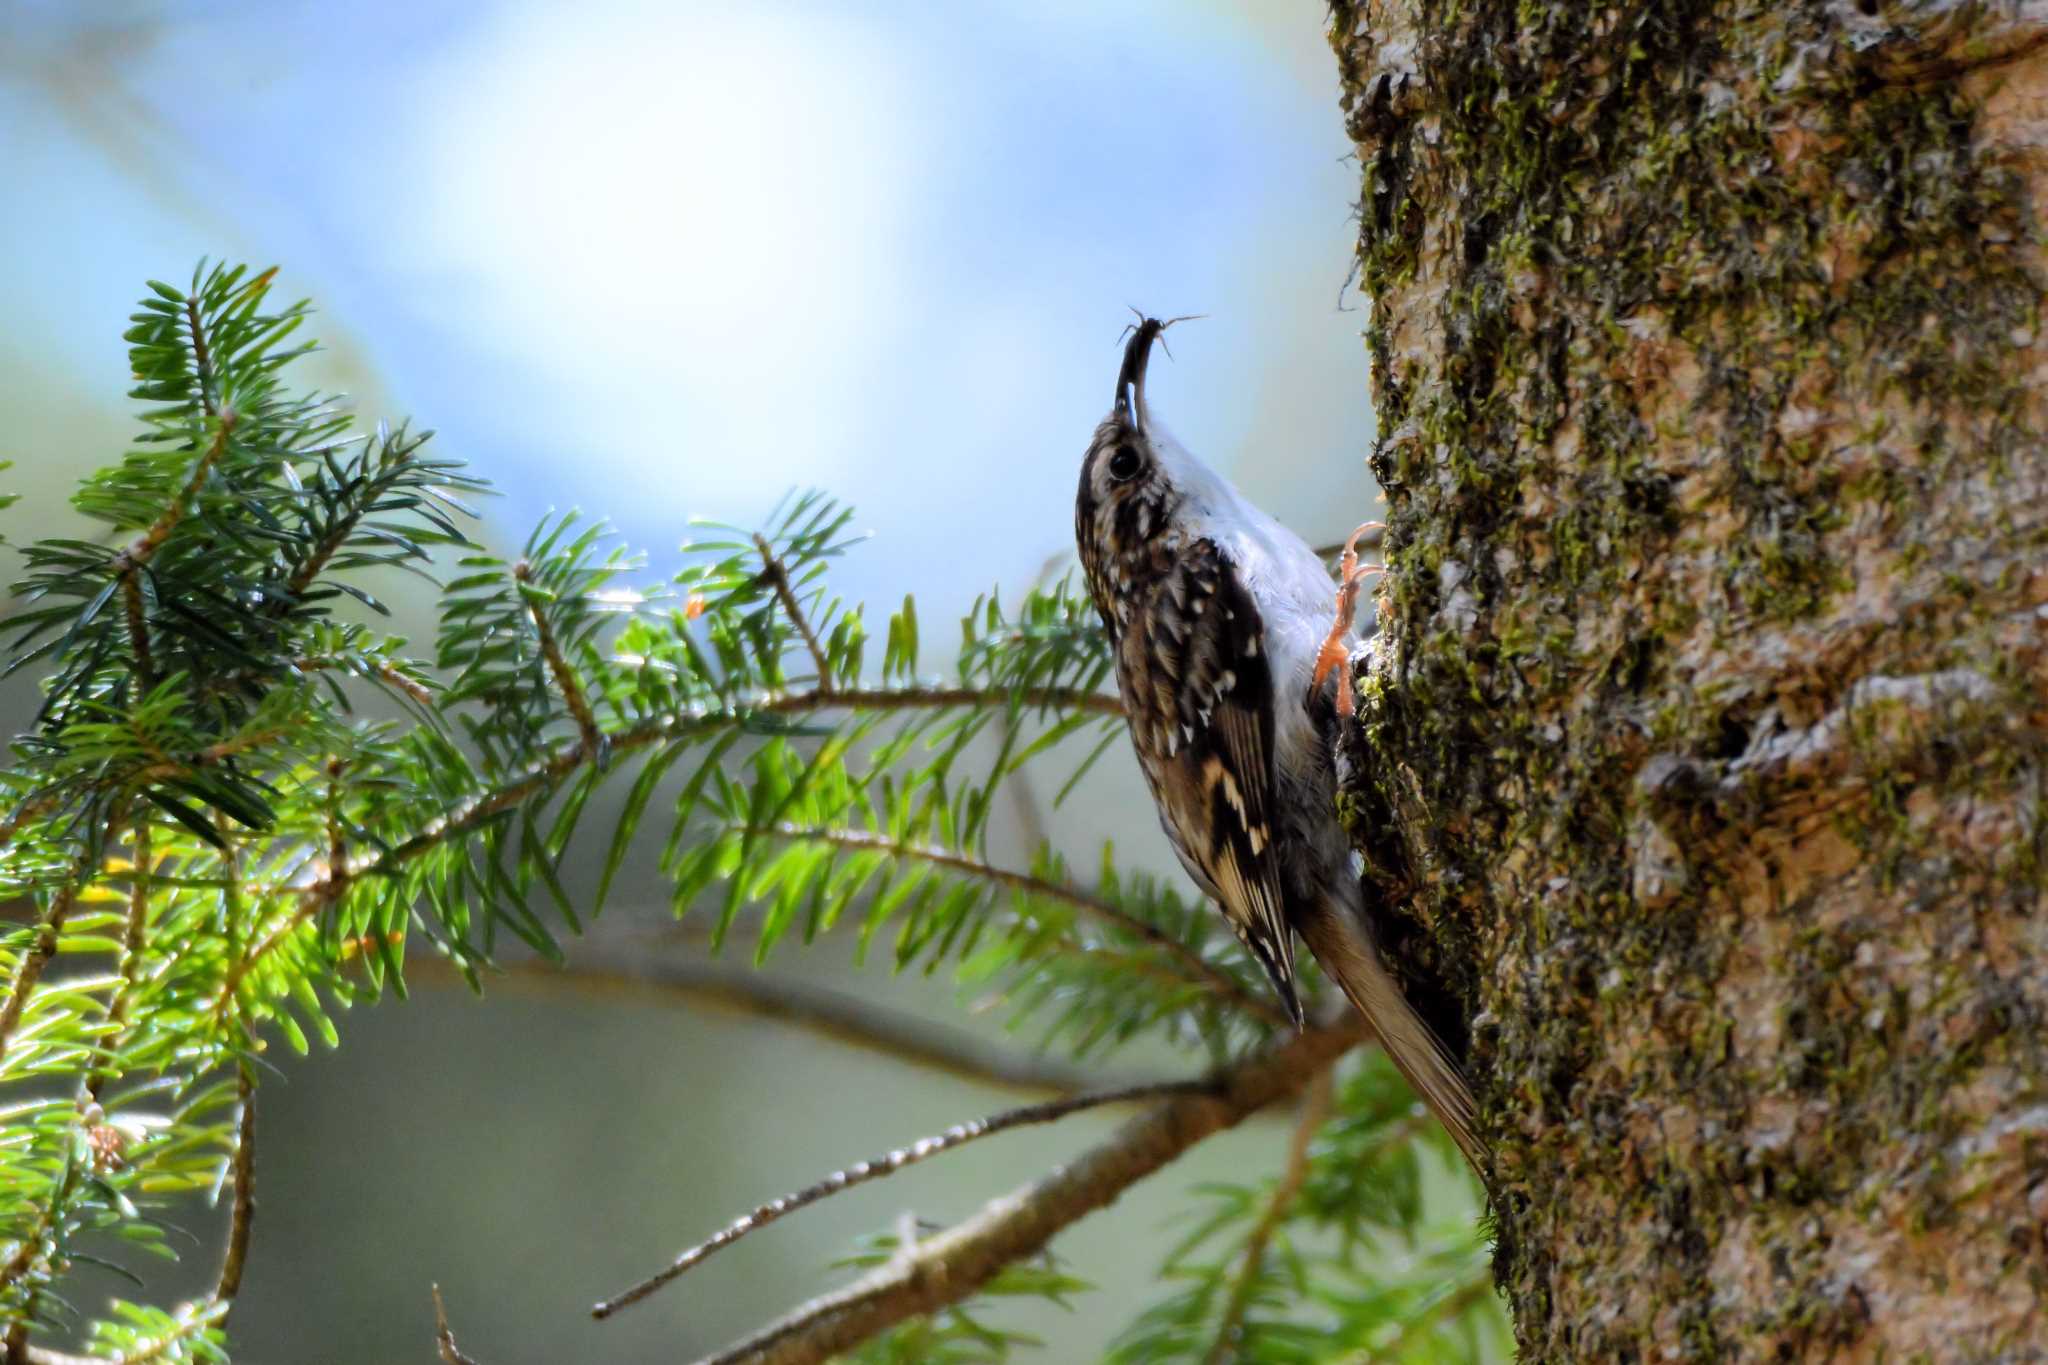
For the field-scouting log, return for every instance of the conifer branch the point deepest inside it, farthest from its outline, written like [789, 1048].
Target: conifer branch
[29, 810]
[127, 565]
[412, 687]
[1195, 969]
[138, 628]
[1449, 1306]
[25, 1256]
[953, 1265]
[1315, 1108]
[835, 1016]
[777, 576]
[886, 1165]
[243, 1216]
[202, 356]
[134, 937]
[29, 1254]
[191, 1319]
[551, 772]
[144, 547]
[330, 543]
[558, 667]
[942, 699]
[44, 947]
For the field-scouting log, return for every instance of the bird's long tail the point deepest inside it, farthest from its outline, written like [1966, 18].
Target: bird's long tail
[1344, 949]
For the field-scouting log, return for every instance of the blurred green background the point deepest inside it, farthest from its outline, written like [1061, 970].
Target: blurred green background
[664, 260]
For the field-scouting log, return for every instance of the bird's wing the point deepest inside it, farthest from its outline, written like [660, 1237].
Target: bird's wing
[1199, 690]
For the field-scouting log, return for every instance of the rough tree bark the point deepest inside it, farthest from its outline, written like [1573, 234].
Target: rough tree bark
[1706, 731]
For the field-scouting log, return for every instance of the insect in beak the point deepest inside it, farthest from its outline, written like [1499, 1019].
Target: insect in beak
[1130, 380]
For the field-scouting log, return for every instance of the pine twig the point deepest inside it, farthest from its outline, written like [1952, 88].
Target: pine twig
[558, 667]
[30, 808]
[315, 563]
[213, 1310]
[194, 1317]
[777, 575]
[1198, 970]
[243, 1218]
[202, 357]
[26, 1258]
[412, 687]
[940, 698]
[953, 1265]
[549, 772]
[134, 938]
[839, 1017]
[30, 969]
[886, 1165]
[128, 564]
[138, 628]
[1449, 1306]
[1315, 1109]
[144, 547]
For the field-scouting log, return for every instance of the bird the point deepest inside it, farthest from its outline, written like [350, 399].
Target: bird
[1216, 614]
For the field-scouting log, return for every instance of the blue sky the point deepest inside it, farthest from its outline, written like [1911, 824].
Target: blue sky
[663, 260]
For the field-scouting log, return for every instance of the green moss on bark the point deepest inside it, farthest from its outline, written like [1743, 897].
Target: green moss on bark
[1697, 346]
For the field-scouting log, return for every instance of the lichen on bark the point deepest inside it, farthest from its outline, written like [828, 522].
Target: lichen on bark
[1703, 741]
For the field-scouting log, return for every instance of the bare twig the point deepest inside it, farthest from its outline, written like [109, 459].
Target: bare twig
[777, 576]
[838, 1016]
[953, 1265]
[888, 1164]
[1315, 1108]
[1198, 970]
[558, 667]
[444, 1335]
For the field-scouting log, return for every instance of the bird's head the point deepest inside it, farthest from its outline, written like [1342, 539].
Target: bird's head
[1135, 483]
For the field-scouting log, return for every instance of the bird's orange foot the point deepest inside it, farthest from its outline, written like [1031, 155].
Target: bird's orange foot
[1333, 655]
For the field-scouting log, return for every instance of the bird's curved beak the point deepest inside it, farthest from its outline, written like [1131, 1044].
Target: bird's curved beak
[1130, 380]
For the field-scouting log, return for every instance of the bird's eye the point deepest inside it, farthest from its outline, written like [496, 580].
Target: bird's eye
[1125, 464]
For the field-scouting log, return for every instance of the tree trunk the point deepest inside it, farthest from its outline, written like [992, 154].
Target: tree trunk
[1705, 732]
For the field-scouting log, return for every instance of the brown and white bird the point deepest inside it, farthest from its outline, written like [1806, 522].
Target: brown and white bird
[1220, 619]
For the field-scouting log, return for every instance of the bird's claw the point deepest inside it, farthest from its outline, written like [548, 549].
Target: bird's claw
[1333, 655]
